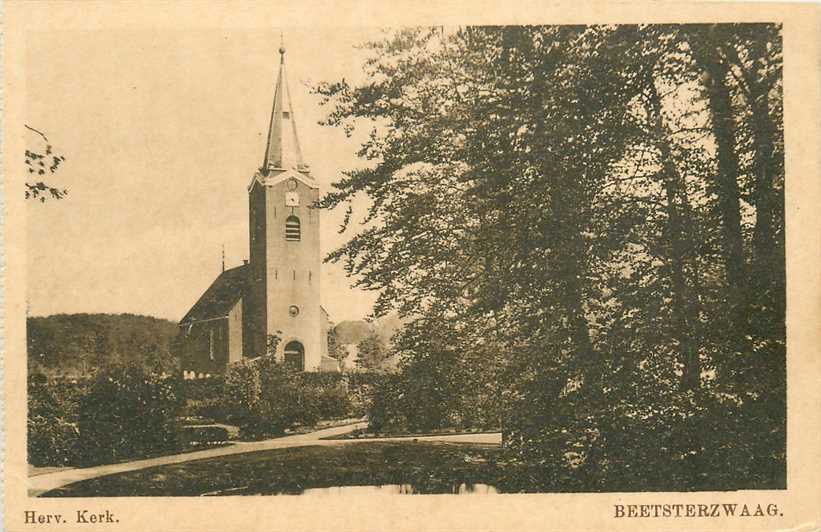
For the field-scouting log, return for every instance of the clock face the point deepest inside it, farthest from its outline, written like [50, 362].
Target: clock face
[292, 184]
[293, 311]
[291, 199]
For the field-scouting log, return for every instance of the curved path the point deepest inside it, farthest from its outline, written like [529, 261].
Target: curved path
[49, 481]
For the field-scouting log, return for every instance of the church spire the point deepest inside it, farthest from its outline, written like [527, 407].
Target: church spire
[283, 151]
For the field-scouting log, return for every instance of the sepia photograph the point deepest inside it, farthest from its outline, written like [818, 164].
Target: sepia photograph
[466, 261]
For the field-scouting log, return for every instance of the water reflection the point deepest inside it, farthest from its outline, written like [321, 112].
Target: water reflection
[402, 489]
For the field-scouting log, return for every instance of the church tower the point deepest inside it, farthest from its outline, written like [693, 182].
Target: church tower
[282, 297]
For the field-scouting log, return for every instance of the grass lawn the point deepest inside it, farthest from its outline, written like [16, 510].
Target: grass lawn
[430, 467]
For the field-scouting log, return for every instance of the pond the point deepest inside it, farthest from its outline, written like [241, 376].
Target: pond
[403, 489]
[369, 468]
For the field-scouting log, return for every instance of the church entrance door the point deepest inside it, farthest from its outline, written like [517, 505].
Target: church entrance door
[295, 356]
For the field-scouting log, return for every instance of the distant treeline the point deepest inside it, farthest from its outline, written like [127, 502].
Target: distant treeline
[77, 344]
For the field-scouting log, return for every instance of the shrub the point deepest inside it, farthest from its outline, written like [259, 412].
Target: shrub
[205, 398]
[128, 413]
[334, 402]
[203, 389]
[386, 409]
[52, 425]
[265, 398]
[325, 380]
[213, 409]
[635, 440]
[423, 397]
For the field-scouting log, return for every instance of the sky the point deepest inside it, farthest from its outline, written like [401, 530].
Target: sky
[162, 131]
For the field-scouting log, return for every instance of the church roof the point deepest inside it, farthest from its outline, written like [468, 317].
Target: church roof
[220, 297]
[282, 151]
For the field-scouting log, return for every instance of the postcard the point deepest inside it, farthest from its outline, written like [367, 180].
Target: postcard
[412, 266]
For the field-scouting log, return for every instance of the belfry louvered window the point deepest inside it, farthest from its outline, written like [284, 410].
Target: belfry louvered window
[292, 230]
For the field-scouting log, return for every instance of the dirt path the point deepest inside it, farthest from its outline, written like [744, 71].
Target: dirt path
[49, 481]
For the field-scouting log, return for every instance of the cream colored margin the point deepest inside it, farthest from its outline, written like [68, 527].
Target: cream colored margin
[800, 503]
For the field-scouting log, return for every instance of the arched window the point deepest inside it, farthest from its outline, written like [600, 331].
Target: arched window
[292, 230]
[295, 356]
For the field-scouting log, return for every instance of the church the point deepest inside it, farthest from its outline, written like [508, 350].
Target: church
[275, 294]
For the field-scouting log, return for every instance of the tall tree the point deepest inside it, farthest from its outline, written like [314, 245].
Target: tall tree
[578, 196]
[706, 44]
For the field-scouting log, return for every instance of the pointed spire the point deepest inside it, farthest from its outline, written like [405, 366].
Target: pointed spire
[223, 258]
[283, 151]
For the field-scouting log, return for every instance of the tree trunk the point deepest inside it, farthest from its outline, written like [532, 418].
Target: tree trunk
[569, 252]
[763, 235]
[766, 257]
[684, 310]
[721, 115]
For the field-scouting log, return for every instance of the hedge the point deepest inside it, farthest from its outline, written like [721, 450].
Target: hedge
[119, 414]
[265, 398]
[125, 413]
[128, 413]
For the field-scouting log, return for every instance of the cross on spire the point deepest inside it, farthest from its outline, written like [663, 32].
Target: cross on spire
[282, 151]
